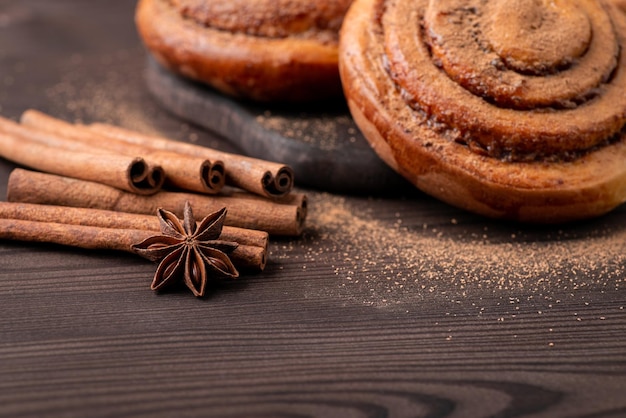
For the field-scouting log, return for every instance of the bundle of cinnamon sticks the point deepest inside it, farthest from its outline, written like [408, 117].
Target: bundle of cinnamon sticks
[100, 186]
[110, 230]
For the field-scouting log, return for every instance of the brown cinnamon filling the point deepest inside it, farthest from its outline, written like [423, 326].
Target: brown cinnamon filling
[267, 18]
[539, 80]
[523, 55]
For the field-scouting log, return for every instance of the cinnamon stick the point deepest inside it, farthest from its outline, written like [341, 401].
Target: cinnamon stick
[81, 236]
[132, 174]
[252, 213]
[48, 138]
[265, 178]
[117, 220]
[249, 257]
[82, 229]
[296, 199]
[182, 171]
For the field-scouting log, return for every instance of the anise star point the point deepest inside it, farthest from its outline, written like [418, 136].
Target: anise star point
[188, 252]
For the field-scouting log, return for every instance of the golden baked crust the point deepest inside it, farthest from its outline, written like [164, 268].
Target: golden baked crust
[244, 49]
[443, 121]
[621, 4]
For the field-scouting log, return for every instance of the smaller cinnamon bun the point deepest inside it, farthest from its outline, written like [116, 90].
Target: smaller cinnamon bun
[266, 50]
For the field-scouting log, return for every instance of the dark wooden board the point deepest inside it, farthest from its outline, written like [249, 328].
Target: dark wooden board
[320, 142]
[394, 306]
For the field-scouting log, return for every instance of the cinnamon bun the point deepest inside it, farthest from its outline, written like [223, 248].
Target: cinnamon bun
[509, 109]
[266, 50]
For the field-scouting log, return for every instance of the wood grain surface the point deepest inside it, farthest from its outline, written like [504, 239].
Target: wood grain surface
[387, 306]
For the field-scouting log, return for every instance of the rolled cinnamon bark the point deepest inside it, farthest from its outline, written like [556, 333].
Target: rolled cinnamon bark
[511, 110]
[132, 174]
[47, 138]
[182, 171]
[111, 230]
[81, 236]
[292, 199]
[274, 218]
[261, 177]
[249, 257]
[116, 220]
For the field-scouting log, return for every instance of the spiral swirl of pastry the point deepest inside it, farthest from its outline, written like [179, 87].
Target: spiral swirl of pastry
[508, 104]
[280, 50]
[536, 55]
[269, 18]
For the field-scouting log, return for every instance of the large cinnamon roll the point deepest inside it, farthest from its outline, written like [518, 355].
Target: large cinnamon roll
[266, 50]
[511, 109]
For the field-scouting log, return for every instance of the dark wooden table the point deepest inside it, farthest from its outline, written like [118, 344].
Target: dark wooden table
[391, 305]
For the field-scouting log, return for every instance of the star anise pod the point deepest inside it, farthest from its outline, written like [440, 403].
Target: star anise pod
[189, 252]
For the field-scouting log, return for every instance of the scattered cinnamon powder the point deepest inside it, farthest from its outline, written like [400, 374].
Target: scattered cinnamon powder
[88, 98]
[325, 131]
[118, 96]
[384, 260]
